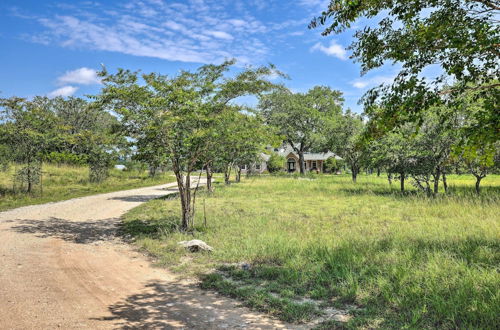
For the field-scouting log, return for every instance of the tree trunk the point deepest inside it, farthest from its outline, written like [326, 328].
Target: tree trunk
[478, 183]
[436, 176]
[238, 173]
[301, 162]
[378, 171]
[354, 173]
[30, 184]
[210, 188]
[41, 179]
[227, 174]
[389, 178]
[445, 183]
[428, 188]
[402, 181]
[185, 197]
[152, 171]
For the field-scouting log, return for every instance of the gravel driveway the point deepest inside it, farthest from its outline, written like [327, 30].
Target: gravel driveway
[61, 265]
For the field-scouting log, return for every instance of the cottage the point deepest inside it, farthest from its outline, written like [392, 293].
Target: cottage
[312, 161]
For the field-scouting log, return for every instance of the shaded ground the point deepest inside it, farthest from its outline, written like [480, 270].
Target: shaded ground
[63, 266]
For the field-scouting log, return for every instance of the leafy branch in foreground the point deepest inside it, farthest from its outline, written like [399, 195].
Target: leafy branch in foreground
[461, 37]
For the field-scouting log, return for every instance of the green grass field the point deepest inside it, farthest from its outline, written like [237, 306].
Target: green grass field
[65, 182]
[393, 260]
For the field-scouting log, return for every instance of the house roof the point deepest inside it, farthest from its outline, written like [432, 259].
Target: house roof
[307, 155]
[320, 156]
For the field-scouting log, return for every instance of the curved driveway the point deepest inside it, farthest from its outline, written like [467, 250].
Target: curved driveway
[62, 266]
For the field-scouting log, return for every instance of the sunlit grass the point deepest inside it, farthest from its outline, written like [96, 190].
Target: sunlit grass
[405, 260]
[65, 182]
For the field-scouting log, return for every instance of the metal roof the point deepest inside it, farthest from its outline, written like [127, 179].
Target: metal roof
[307, 155]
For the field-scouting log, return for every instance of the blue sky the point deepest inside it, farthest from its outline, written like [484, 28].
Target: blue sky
[54, 47]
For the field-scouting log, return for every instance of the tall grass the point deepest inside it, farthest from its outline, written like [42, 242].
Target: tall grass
[61, 182]
[404, 260]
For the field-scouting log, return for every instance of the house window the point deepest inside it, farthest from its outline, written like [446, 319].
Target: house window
[291, 164]
[313, 165]
[244, 167]
[257, 167]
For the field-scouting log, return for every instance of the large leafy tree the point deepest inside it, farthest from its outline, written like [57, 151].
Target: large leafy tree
[177, 115]
[89, 131]
[462, 37]
[239, 140]
[302, 118]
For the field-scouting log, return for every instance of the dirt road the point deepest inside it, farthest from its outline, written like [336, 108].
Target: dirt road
[61, 266]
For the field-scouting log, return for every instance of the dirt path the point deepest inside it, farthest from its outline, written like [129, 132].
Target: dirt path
[62, 266]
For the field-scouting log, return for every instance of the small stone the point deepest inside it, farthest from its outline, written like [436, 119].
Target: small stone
[341, 318]
[196, 245]
[245, 266]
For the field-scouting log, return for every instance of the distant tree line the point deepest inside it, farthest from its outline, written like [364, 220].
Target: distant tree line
[71, 131]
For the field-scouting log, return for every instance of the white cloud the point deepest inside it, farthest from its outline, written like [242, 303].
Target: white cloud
[371, 82]
[360, 83]
[220, 35]
[315, 5]
[81, 76]
[200, 31]
[334, 49]
[237, 22]
[64, 91]
[312, 2]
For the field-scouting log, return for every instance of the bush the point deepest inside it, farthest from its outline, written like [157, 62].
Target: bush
[99, 163]
[27, 177]
[333, 165]
[275, 163]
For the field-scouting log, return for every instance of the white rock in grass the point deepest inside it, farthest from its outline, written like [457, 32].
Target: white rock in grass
[196, 245]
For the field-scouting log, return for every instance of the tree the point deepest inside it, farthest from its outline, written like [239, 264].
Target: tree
[302, 118]
[480, 161]
[346, 140]
[90, 131]
[395, 152]
[178, 114]
[435, 141]
[462, 37]
[239, 141]
[31, 130]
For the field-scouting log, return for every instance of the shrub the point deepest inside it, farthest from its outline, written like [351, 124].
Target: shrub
[66, 158]
[275, 163]
[99, 163]
[333, 165]
[27, 177]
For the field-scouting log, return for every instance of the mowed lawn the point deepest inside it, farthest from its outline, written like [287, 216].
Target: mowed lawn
[391, 260]
[66, 182]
